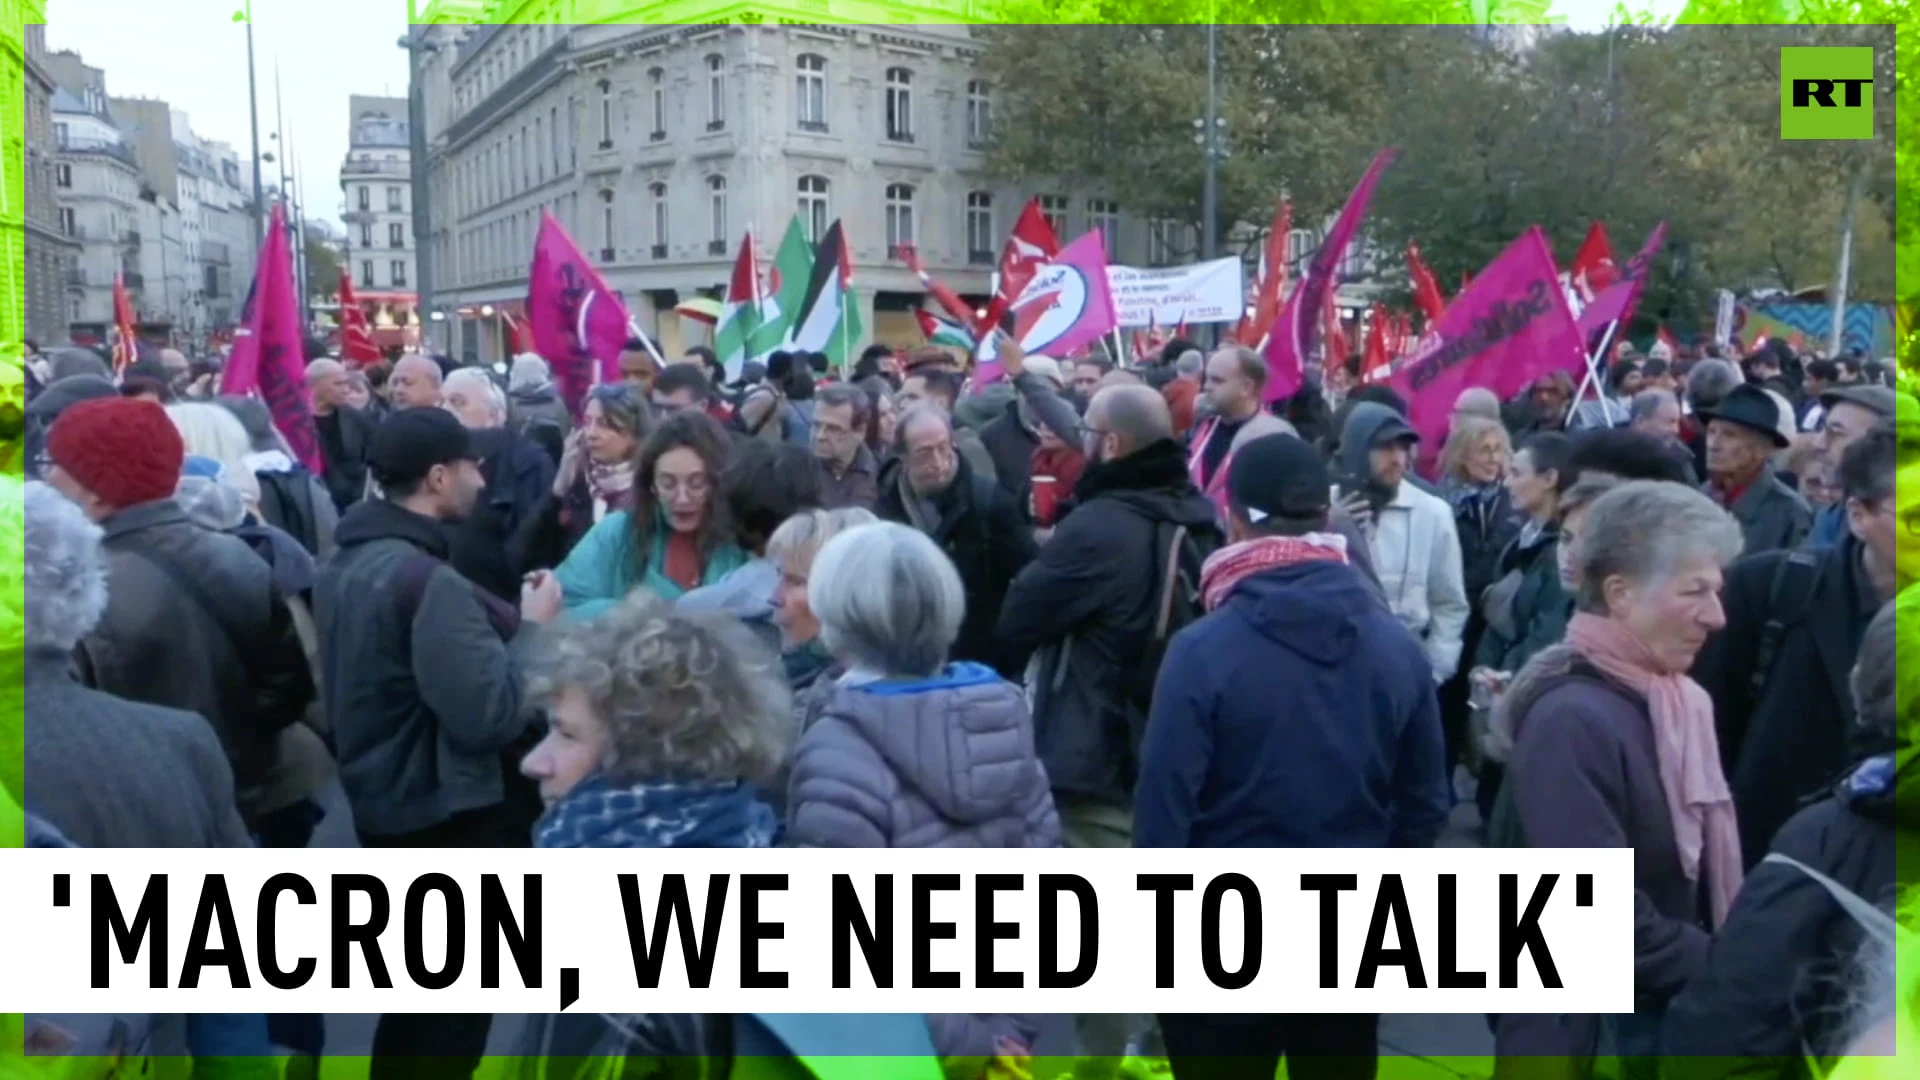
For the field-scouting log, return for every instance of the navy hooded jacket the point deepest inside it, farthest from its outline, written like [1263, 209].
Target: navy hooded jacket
[1300, 713]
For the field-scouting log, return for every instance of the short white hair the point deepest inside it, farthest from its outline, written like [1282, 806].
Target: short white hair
[887, 599]
[799, 539]
[66, 570]
[1645, 529]
[529, 372]
[213, 432]
[323, 367]
[483, 385]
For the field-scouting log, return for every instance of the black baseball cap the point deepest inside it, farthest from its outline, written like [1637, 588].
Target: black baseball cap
[1279, 476]
[409, 443]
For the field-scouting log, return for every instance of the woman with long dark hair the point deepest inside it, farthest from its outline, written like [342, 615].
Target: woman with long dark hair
[676, 534]
[595, 477]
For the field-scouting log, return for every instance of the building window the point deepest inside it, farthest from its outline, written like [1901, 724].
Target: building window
[396, 235]
[716, 93]
[810, 92]
[1054, 208]
[899, 105]
[526, 160]
[63, 175]
[980, 237]
[899, 218]
[606, 224]
[1104, 214]
[979, 113]
[539, 145]
[512, 148]
[657, 91]
[393, 200]
[1162, 248]
[60, 135]
[553, 137]
[606, 115]
[366, 235]
[813, 206]
[399, 269]
[717, 205]
[67, 227]
[657, 194]
[366, 273]
[365, 197]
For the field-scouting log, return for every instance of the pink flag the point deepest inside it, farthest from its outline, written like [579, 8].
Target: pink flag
[1068, 305]
[1618, 300]
[577, 321]
[269, 351]
[1293, 336]
[1509, 327]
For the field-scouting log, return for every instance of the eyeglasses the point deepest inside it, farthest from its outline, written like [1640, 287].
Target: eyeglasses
[668, 487]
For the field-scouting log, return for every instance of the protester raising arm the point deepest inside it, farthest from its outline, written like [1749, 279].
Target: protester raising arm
[1053, 410]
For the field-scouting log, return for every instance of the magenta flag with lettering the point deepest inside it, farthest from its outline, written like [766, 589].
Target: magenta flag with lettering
[1509, 327]
[1296, 331]
[1618, 300]
[269, 347]
[577, 321]
[1066, 307]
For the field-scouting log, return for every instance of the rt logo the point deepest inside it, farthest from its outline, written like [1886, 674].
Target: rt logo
[1826, 93]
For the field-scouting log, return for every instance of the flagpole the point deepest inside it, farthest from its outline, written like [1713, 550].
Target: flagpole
[1593, 378]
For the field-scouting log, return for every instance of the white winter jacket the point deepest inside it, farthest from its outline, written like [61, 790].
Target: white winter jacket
[1416, 552]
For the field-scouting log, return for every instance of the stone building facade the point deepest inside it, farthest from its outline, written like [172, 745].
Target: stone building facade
[38, 256]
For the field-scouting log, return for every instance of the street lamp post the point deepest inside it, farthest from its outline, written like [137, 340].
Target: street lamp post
[253, 108]
[418, 47]
[1207, 136]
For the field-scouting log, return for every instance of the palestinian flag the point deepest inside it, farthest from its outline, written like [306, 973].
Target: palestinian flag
[743, 313]
[941, 332]
[787, 289]
[829, 320]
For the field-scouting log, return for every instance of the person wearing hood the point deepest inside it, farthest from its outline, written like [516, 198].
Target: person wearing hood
[1354, 758]
[1414, 543]
[1782, 703]
[534, 408]
[910, 750]
[1766, 995]
[489, 543]
[764, 485]
[290, 497]
[1087, 606]
[1743, 434]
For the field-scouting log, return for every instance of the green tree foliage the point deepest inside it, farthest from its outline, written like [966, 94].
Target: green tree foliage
[323, 266]
[1632, 127]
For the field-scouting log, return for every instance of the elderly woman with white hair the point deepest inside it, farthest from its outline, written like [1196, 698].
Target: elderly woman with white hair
[1613, 745]
[792, 550]
[908, 750]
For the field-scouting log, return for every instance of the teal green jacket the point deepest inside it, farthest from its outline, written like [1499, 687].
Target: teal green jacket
[599, 572]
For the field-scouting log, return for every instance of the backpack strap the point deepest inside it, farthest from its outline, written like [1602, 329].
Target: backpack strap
[1170, 580]
[1784, 609]
[1879, 926]
[409, 585]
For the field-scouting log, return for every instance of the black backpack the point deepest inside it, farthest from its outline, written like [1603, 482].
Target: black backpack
[286, 501]
[1178, 555]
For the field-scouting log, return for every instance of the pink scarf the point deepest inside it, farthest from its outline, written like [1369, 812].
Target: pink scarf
[1704, 826]
[1234, 563]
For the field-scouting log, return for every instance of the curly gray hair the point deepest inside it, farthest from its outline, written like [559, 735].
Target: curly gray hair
[683, 695]
[66, 571]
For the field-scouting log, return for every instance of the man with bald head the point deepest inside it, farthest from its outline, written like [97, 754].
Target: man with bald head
[415, 383]
[1087, 608]
[345, 432]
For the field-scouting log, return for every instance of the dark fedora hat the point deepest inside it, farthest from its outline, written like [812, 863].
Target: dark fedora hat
[1750, 407]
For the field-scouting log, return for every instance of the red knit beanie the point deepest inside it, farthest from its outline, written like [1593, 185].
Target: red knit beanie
[124, 450]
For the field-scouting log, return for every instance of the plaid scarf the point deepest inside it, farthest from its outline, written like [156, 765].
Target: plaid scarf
[1232, 564]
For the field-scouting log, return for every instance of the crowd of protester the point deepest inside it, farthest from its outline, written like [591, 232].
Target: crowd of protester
[1082, 605]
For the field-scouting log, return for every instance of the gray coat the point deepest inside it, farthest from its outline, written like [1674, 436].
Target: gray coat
[423, 704]
[945, 762]
[1584, 774]
[112, 773]
[1772, 516]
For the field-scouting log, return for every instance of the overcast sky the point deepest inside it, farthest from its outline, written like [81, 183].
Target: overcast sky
[192, 54]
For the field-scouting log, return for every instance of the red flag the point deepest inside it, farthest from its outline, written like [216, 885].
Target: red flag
[1593, 267]
[356, 336]
[1618, 300]
[127, 347]
[1377, 355]
[578, 323]
[1665, 337]
[1031, 245]
[942, 295]
[269, 356]
[1292, 341]
[1426, 289]
[1273, 278]
[1337, 347]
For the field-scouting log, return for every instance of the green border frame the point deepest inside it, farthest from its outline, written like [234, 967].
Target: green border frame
[1899, 13]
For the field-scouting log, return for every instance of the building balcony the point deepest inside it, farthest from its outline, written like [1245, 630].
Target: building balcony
[77, 276]
[716, 247]
[659, 251]
[397, 169]
[215, 253]
[102, 147]
[359, 216]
